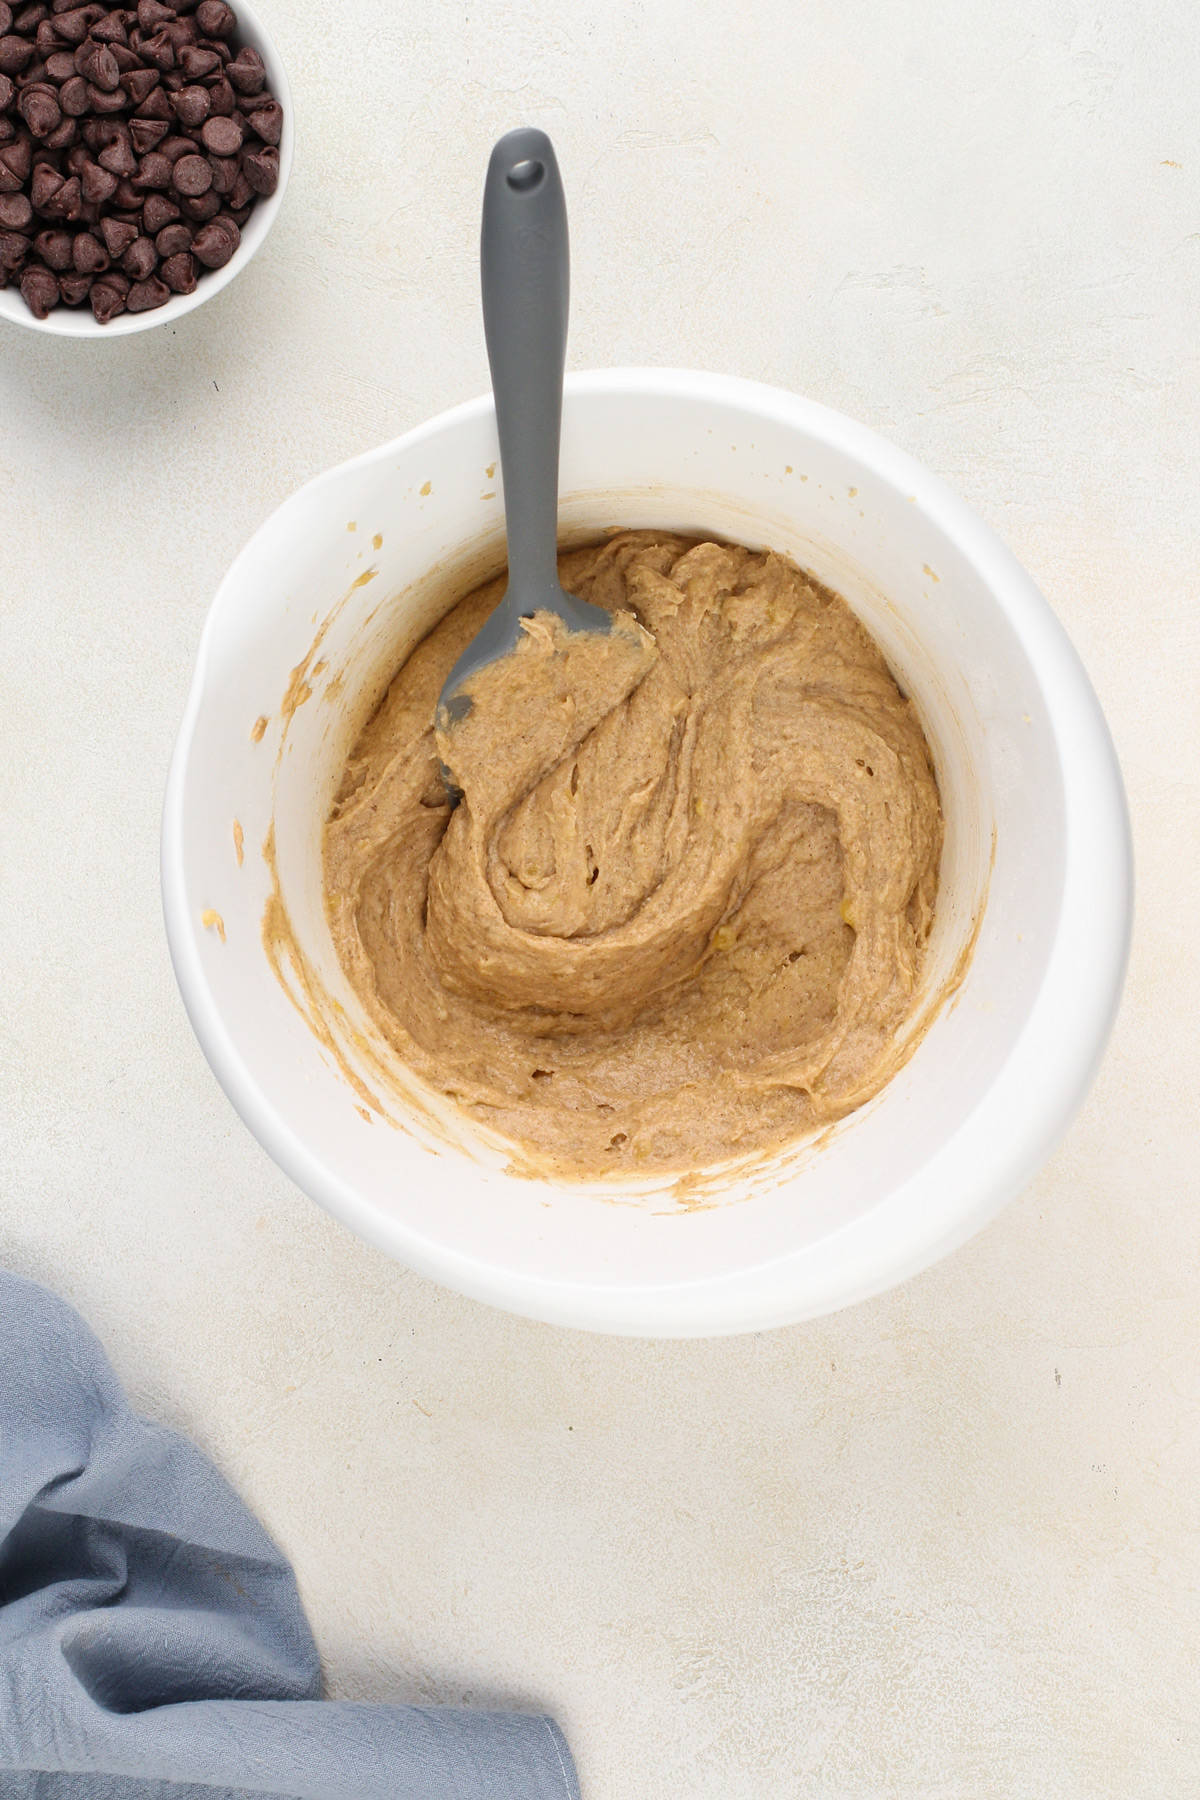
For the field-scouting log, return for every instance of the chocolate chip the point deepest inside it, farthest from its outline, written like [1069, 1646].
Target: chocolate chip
[139, 84]
[97, 64]
[45, 183]
[192, 106]
[111, 29]
[141, 259]
[222, 98]
[16, 54]
[201, 207]
[39, 290]
[192, 176]
[158, 211]
[98, 184]
[147, 134]
[127, 198]
[108, 300]
[156, 105]
[88, 254]
[223, 136]
[174, 147]
[118, 157]
[117, 235]
[54, 248]
[60, 66]
[197, 62]
[74, 25]
[261, 169]
[247, 71]
[73, 97]
[15, 212]
[215, 19]
[74, 289]
[172, 239]
[6, 92]
[63, 135]
[144, 296]
[65, 202]
[39, 108]
[18, 156]
[158, 50]
[14, 248]
[214, 246]
[154, 171]
[151, 14]
[101, 101]
[180, 273]
[267, 121]
[226, 170]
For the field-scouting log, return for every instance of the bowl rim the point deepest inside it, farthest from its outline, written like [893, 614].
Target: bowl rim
[984, 1161]
[80, 322]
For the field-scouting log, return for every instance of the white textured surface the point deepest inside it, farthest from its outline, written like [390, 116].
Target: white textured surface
[945, 1546]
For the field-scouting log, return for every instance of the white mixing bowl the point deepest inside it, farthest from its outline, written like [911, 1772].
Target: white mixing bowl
[1034, 911]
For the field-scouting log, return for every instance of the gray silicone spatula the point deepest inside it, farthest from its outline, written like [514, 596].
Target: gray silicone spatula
[524, 264]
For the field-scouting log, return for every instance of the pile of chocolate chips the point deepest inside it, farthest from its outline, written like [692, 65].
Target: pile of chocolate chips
[134, 143]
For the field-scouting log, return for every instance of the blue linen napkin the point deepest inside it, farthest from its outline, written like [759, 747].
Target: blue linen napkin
[152, 1641]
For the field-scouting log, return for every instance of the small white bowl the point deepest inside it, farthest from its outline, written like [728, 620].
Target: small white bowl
[80, 321]
[1034, 908]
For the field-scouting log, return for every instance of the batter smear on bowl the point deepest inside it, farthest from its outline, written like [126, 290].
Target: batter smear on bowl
[680, 912]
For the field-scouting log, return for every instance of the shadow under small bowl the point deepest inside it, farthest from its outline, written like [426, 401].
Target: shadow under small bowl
[80, 322]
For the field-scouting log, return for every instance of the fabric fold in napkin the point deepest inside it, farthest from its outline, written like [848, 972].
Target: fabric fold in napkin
[152, 1641]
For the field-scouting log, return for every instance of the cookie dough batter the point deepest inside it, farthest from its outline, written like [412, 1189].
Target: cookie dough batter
[679, 914]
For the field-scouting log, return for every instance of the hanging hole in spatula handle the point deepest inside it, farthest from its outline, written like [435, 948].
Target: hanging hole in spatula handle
[524, 176]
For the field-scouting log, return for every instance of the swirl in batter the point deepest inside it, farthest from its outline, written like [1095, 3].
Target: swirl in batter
[680, 913]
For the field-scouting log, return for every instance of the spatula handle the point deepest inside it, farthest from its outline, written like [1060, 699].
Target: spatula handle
[524, 265]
